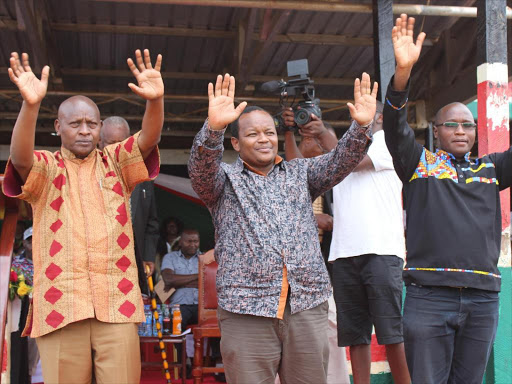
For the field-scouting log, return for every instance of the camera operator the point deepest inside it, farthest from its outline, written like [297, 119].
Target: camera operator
[317, 139]
[314, 134]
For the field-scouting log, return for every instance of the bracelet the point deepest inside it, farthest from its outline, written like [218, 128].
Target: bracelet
[367, 125]
[396, 108]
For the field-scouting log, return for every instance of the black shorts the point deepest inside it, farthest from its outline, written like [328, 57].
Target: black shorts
[368, 290]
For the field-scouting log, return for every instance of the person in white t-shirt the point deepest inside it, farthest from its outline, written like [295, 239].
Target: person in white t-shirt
[367, 252]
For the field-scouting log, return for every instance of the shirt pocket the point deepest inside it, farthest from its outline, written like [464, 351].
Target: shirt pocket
[114, 198]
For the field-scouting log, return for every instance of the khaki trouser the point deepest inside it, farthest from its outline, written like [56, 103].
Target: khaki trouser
[76, 352]
[255, 349]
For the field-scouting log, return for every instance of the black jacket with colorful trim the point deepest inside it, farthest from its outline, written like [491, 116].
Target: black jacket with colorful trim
[453, 207]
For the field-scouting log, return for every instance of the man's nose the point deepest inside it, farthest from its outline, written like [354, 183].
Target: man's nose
[262, 137]
[459, 130]
[84, 129]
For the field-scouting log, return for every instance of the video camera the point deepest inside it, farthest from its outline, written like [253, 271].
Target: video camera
[298, 83]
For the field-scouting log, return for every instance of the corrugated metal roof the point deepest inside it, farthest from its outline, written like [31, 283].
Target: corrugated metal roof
[79, 50]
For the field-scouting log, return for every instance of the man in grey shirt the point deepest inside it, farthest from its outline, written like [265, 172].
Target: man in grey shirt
[179, 270]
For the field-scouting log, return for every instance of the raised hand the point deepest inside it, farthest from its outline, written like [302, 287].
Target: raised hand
[365, 105]
[221, 107]
[151, 85]
[31, 88]
[406, 51]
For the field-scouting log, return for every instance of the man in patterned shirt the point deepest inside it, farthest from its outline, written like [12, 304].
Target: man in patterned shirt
[86, 300]
[272, 282]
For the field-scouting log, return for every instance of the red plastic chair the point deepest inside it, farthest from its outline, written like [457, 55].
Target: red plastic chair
[207, 325]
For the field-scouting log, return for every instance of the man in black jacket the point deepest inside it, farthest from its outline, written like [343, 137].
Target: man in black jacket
[453, 232]
[143, 205]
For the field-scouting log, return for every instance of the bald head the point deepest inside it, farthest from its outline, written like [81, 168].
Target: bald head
[447, 112]
[114, 130]
[70, 105]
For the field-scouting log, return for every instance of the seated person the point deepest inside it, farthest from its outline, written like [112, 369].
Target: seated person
[180, 271]
[170, 232]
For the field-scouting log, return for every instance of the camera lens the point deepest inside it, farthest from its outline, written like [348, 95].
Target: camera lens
[302, 116]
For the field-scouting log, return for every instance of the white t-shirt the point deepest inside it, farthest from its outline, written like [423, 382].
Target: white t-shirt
[368, 209]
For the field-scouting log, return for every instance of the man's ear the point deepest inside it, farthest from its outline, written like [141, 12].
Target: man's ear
[435, 132]
[56, 125]
[235, 143]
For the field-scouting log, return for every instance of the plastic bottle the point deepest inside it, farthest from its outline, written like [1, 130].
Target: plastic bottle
[167, 321]
[176, 319]
[149, 320]
[161, 316]
[155, 330]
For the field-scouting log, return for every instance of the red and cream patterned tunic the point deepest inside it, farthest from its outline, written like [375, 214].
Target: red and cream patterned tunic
[83, 251]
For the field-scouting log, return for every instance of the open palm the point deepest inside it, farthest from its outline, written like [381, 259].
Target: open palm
[149, 79]
[365, 104]
[221, 107]
[406, 51]
[31, 88]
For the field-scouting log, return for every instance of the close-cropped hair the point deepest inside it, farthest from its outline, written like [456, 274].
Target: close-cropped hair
[234, 126]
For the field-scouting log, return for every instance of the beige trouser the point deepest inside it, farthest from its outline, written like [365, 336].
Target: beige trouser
[338, 371]
[76, 352]
[255, 349]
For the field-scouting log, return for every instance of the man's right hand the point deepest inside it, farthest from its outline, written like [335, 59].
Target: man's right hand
[288, 117]
[221, 107]
[31, 88]
[406, 51]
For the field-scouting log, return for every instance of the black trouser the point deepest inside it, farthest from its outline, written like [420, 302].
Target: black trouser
[188, 317]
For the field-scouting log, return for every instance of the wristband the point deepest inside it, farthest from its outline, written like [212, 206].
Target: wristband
[396, 108]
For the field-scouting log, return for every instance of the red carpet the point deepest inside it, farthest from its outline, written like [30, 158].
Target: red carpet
[156, 377]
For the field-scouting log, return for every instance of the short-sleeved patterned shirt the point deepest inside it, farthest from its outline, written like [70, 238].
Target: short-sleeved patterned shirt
[265, 230]
[82, 245]
[176, 261]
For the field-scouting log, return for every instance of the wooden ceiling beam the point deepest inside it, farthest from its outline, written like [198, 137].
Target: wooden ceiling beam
[271, 26]
[295, 38]
[322, 6]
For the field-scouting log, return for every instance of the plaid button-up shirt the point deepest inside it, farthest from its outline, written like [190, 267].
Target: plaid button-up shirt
[265, 230]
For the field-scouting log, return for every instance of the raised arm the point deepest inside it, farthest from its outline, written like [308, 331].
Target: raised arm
[206, 155]
[32, 91]
[400, 138]
[151, 88]
[324, 172]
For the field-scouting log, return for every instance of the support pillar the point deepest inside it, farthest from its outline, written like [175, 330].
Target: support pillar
[383, 53]
[493, 136]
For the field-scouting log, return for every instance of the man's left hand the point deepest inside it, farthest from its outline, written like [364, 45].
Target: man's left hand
[314, 128]
[151, 85]
[365, 100]
[151, 267]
